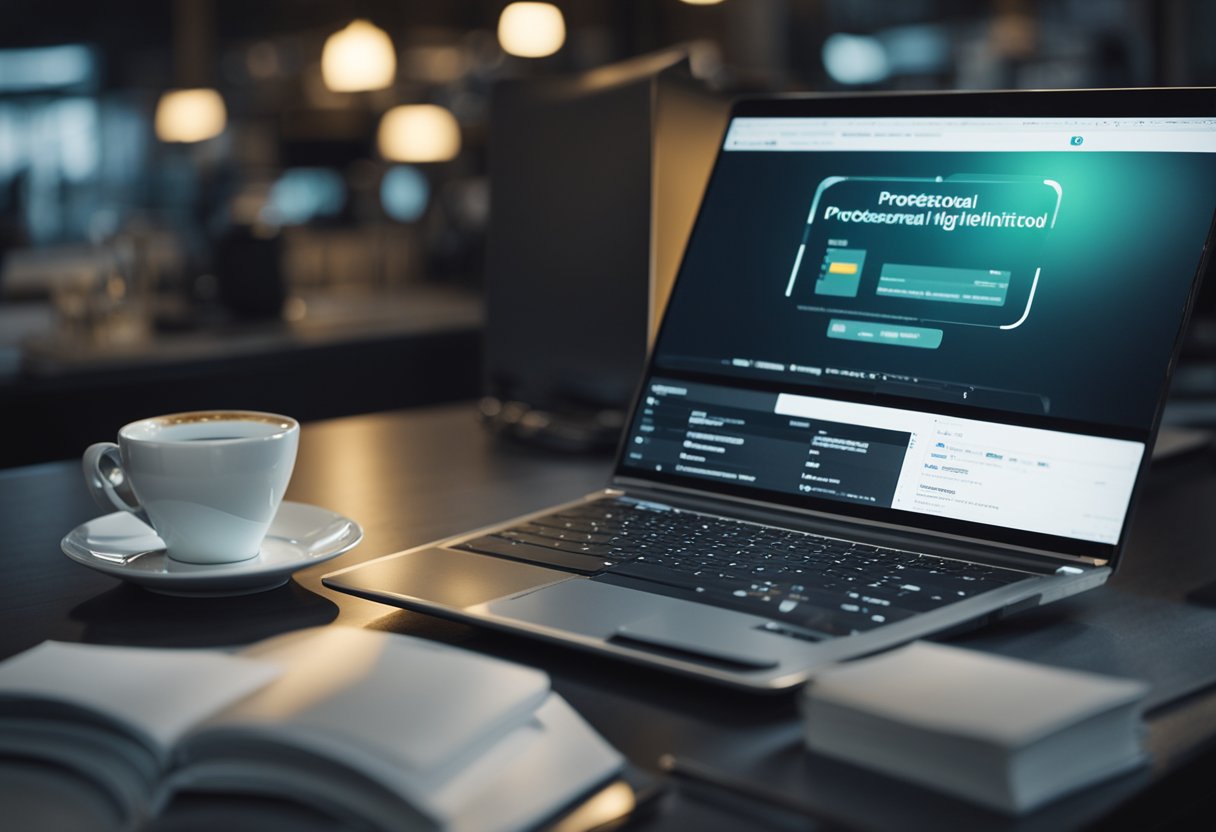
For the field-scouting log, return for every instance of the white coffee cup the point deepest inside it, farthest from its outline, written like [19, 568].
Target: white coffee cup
[209, 482]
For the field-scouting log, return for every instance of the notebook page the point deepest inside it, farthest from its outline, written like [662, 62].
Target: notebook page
[156, 694]
[375, 698]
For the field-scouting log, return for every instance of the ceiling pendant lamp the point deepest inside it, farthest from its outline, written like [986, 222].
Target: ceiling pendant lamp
[358, 58]
[531, 30]
[190, 115]
[419, 133]
[194, 111]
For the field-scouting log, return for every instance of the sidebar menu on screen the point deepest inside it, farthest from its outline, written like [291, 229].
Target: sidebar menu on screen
[728, 435]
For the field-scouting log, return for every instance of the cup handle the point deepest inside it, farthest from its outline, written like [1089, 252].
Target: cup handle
[104, 476]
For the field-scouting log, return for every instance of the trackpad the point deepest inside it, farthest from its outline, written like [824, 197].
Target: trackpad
[622, 615]
[707, 638]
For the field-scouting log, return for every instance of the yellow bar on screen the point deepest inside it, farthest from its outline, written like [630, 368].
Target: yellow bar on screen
[842, 268]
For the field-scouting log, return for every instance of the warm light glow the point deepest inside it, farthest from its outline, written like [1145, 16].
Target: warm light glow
[190, 115]
[531, 30]
[419, 133]
[359, 57]
[609, 806]
[702, 2]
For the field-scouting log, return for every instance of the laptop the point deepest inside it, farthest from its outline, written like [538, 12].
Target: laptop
[913, 360]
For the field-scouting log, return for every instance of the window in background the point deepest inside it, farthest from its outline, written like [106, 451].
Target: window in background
[50, 140]
[404, 193]
[304, 195]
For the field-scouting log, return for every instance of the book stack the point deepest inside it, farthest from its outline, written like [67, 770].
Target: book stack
[1007, 734]
[373, 729]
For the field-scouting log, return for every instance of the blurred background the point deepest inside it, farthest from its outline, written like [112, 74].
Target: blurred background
[323, 207]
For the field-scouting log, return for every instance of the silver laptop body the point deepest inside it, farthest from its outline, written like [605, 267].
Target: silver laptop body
[936, 327]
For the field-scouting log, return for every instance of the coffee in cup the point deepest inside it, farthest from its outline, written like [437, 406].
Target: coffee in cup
[209, 482]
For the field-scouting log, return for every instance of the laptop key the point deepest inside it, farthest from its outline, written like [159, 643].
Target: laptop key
[583, 564]
[842, 621]
[573, 535]
[583, 547]
[655, 572]
[571, 524]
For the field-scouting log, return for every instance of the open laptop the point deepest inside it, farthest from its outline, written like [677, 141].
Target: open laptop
[906, 380]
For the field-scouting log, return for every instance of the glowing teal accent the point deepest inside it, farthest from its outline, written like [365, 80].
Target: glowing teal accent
[1030, 300]
[1055, 186]
[981, 287]
[880, 333]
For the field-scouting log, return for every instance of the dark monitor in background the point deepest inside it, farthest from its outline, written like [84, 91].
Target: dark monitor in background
[595, 182]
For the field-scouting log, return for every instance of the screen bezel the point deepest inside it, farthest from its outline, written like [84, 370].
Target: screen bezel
[1111, 103]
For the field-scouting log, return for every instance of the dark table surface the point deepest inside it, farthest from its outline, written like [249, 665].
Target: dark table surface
[411, 477]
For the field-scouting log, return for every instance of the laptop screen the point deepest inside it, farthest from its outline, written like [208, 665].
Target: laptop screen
[958, 323]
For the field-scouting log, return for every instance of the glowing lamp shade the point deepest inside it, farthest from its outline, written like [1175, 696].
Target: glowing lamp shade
[359, 57]
[192, 115]
[531, 30]
[419, 133]
[702, 2]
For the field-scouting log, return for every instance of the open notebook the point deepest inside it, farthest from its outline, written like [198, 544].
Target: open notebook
[375, 729]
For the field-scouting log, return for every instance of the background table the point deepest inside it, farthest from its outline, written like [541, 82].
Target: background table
[410, 477]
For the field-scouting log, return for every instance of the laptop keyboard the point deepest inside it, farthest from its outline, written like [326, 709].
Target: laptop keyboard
[827, 586]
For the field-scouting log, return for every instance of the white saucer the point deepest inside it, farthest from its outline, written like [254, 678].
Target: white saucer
[124, 547]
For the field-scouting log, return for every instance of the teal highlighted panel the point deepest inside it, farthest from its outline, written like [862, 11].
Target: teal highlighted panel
[981, 287]
[840, 272]
[877, 333]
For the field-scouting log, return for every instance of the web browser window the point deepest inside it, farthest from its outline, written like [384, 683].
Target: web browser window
[959, 318]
